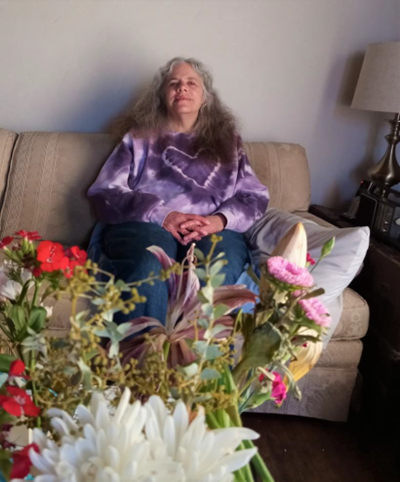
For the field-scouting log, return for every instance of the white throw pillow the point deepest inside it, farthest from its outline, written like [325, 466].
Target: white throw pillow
[335, 272]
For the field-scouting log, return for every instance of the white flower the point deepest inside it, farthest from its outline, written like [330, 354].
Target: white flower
[293, 246]
[137, 444]
[11, 289]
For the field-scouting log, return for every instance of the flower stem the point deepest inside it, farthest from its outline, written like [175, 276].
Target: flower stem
[259, 463]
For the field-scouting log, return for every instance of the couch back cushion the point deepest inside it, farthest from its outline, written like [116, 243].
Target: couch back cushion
[50, 174]
[284, 169]
[7, 142]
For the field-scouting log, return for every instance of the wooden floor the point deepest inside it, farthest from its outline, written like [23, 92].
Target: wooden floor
[306, 450]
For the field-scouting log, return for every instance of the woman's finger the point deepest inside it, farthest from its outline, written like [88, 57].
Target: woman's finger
[190, 224]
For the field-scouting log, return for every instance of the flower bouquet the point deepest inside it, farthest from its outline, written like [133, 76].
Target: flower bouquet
[142, 401]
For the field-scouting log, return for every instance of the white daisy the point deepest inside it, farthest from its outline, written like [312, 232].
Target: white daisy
[137, 444]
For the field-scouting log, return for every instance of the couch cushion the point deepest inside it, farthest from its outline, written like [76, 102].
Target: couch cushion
[50, 174]
[353, 323]
[7, 141]
[284, 169]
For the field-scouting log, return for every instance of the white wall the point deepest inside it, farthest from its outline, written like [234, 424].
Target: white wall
[288, 68]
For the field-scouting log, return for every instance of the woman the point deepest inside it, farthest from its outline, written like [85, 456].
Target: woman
[179, 175]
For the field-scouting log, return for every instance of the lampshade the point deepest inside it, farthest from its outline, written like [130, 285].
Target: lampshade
[378, 86]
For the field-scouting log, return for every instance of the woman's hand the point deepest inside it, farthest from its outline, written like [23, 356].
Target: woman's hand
[216, 224]
[174, 223]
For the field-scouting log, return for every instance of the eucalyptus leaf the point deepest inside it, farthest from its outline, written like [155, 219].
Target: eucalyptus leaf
[201, 273]
[199, 254]
[210, 374]
[217, 280]
[216, 267]
[213, 352]
[217, 329]
[208, 293]
[200, 346]
[203, 323]
[220, 310]
[190, 370]
[208, 309]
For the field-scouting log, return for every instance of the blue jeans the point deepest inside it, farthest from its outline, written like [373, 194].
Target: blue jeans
[125, 245]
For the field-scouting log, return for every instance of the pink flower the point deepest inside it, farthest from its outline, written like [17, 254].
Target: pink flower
[315, 311]
[310, 259]
[279, 390]
[287, 272]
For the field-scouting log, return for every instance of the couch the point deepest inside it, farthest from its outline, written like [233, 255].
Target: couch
[44, 177]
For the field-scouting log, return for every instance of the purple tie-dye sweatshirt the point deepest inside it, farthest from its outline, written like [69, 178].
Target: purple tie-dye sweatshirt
[145, 179]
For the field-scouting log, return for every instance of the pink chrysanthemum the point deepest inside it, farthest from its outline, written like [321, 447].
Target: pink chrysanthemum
[287, 272]
[315, 311]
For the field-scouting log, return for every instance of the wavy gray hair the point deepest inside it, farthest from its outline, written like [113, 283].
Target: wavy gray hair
[215, 128]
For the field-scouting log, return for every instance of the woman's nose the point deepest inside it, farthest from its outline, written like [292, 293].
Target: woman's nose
[181, 87]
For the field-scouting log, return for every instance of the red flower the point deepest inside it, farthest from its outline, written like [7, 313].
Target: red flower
[37, 272]
[77, 257]
[310, 259]
[31, 235]
[52, 256]
[19, 403]
[5, 241]
[22, 462]
[17, 368]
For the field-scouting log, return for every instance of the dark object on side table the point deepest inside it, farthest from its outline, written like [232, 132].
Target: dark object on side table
[379, 284]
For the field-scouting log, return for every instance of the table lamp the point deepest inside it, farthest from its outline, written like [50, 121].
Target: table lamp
[378, 89]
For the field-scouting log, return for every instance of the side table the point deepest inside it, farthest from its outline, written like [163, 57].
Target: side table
[379, 284]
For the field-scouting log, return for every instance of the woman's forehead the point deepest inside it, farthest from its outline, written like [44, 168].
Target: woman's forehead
[183, 70]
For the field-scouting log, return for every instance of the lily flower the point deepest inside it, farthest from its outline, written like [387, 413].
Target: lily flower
[184, 306]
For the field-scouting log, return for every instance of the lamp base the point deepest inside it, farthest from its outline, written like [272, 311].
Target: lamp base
[387, 172]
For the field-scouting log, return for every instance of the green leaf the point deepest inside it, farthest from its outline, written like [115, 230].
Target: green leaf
[190, 370]
[98, 301]
[121, 285]
[5, 362]
[200, 346]
[17, 315]
[199, 255]
[220, 310]
[217, 280]
[208, 293]
[213, 352]
[216, 267]
[37, 318]
[327, 247]
[209, 374]
[217, 329]
[208, 309]
[203, 323]
[201, 273]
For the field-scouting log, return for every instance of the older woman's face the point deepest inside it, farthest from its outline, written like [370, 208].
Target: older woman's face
[184, 91]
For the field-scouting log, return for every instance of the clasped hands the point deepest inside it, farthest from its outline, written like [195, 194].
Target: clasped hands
[186, 228]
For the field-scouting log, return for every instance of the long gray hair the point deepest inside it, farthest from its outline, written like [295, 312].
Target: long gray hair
[215, 127]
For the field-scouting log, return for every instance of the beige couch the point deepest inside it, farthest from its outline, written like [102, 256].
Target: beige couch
[44, 178]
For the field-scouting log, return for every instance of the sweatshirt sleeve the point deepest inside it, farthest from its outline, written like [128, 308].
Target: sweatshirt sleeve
[115, 202]
[250, 199]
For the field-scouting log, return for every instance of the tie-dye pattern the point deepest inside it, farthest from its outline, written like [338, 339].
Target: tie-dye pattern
[145, 179]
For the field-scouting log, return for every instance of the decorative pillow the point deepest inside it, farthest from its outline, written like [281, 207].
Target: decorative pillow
[334, 273]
